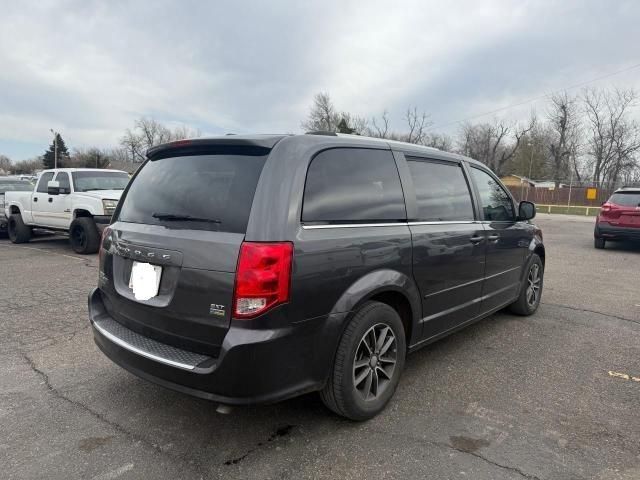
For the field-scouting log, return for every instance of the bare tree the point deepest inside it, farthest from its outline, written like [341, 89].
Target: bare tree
[27, 167]
[148, 133]
[441, 141]
[91, 158]
[613, 139]
[493, 144]
[563, 123]
[5, 164]
[380, 128]
[322, 116]
[417, 123]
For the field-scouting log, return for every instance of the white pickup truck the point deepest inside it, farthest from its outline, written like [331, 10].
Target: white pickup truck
[79, 201]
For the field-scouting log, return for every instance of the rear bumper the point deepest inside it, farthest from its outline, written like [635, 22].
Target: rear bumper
[614, 232]
[254, 366]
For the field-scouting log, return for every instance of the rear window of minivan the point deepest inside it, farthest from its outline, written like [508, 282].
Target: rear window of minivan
[200, 192]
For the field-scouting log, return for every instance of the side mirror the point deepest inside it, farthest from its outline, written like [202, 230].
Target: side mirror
[53, 188]
[526, 210]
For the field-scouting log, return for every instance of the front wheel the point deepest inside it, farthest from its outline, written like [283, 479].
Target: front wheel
[18, 231]
[368, 363]
[83, 236]
[531, 290]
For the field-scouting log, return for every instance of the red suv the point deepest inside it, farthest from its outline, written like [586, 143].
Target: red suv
[619, 217]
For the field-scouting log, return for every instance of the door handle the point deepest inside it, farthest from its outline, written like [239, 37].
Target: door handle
[476, 239]
[493, 238]
[50, 200]
[35, 199]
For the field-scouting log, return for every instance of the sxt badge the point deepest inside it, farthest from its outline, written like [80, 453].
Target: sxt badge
[217, 310]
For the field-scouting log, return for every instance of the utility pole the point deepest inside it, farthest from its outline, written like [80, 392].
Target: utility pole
[55, 148]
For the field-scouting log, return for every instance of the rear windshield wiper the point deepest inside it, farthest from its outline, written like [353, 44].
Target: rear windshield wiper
[171, 217]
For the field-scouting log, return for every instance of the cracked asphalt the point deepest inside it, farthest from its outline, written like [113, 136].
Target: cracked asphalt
[507, 398]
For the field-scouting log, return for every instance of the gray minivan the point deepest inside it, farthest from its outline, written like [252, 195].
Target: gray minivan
[250, 269]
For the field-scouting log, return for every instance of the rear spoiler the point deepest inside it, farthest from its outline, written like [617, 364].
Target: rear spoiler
[249, 144]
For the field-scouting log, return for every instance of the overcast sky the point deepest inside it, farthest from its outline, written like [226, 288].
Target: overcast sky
[89, 69]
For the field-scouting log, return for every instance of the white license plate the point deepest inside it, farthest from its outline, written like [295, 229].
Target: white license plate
[145, 280]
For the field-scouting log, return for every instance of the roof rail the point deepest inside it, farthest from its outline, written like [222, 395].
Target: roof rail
[322, 132]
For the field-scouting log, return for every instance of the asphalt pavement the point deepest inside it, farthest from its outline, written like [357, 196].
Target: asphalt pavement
[552, 396]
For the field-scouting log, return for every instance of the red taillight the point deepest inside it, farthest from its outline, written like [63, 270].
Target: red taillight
[605, 208]
[262, 278]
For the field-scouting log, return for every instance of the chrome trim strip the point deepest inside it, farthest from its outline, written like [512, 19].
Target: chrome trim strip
[396, 224]
[354, 225]
[140, 352]
[450, 222]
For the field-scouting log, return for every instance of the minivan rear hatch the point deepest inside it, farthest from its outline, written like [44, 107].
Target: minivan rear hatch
[183, 217]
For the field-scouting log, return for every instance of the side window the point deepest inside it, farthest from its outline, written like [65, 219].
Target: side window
[63, 179]
[442, 193]
[495, 202]
[44, 180]
[351, 185]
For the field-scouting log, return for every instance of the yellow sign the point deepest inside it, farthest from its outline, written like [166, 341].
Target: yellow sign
[592, 193]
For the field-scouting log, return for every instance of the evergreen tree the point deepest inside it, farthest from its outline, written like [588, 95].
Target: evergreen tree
[48, 159]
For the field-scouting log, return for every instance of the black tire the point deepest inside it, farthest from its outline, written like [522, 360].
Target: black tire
[18, 231]
[526, 304]
[84, 236]
[598, 242]
[342, 394]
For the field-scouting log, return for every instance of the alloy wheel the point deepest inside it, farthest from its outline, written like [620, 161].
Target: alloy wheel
[375, 362]
[534, 281]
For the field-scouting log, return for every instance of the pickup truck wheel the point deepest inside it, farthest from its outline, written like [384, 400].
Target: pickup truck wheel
[83, 236]
[368, 363]
[18, 231]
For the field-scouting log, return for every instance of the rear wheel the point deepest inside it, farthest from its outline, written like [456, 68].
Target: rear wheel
[18, 231]
[368, 363]
[598, 242]
[83, 236]
[531, 290]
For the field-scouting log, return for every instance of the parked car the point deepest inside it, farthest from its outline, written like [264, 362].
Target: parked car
[10, 184]
[79, 201]
[251, 269]
[619, 217]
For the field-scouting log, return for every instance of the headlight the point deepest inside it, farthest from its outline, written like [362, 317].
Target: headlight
[109, 206]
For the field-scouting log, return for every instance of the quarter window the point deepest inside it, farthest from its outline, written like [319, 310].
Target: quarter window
[351, 185]
[442, 193]
[44, 180]
[495, 202]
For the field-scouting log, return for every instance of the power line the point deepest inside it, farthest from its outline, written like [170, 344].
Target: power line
[535, 99]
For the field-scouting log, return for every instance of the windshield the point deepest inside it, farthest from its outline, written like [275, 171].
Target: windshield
[200, 192]
[15, 186]
[626, 199]
[94, 180]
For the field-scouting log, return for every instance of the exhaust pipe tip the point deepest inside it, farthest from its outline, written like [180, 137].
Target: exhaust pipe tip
[224, 409]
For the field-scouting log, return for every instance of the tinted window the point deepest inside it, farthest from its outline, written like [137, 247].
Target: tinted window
[495, 202]
[626, 199]
[63, 179]
[215, 190]
[350, 185]
[442, 193]
[89, 180]
[44, 180]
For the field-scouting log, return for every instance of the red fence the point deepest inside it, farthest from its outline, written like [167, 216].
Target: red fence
[561, 196]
